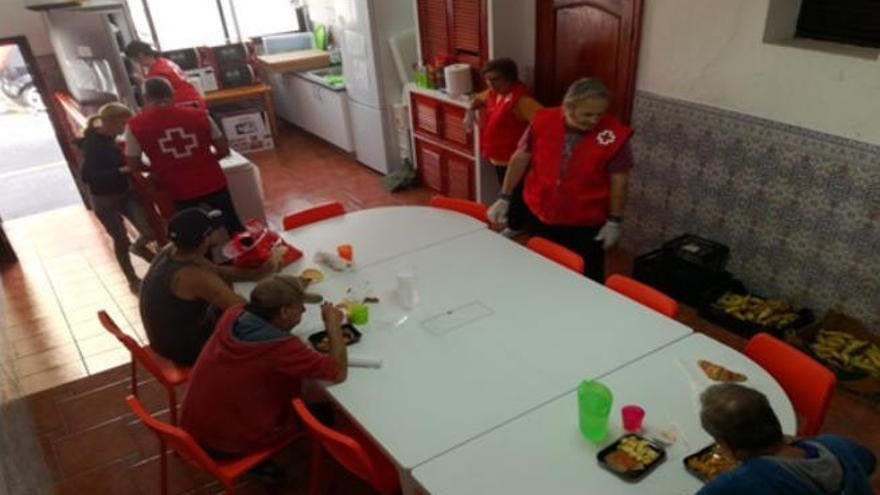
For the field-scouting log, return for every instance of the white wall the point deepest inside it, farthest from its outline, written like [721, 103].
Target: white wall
[711, 52]
[15, 20]
[512, 28]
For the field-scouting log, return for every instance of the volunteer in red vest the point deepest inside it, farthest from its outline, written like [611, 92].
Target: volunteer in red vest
[575, 160]
[184, 147]
[508, 110]
[185, 94]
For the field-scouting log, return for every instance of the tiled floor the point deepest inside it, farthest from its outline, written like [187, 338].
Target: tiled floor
[90, 443]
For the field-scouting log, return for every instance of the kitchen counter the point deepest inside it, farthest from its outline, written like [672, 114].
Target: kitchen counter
[461, 101]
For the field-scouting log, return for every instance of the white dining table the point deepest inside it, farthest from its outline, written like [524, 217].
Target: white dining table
[543, 452]
[499, 331]
[376, 234]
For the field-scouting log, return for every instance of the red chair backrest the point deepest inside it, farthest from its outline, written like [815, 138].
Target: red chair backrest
[808, 384]
[314, 214]
[643, 294]
[179, 440]
[469, 208]
[346, 450]
[134, 347]
[560, 254]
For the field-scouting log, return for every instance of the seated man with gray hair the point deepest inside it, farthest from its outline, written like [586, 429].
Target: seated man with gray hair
[741, 420]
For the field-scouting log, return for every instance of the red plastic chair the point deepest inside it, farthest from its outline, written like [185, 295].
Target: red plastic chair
[226, 471]
[313, 214]
[169, 374]
[560, 254]
[350, 448]
[643, 294]
[808, 384]
[463, 206]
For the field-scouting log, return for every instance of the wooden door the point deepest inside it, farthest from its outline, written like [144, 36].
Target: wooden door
[581, 38]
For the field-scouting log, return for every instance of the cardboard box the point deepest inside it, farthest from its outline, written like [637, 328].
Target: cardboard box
[294, 61]
[247, 131]
[861, 385]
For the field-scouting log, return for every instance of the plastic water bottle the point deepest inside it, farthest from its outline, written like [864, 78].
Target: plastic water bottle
[594, 408]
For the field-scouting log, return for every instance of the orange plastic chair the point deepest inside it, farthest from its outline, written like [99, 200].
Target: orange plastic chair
[808, 384]
[560, 254]
[169, 374]
[469, 208]
[226, 471]
[643, 294]
[313, 214]
[350, 448]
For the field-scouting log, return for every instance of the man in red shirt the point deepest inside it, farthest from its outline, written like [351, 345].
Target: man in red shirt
[240, 391]
[185, 94]
[178, 141]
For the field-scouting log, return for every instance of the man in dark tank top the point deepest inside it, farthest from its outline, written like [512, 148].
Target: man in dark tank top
[183, 293]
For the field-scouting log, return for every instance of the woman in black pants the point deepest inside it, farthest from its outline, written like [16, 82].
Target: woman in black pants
[112, 197]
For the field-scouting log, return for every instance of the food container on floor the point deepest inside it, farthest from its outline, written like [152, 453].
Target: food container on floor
[848, 348]
[735, 309]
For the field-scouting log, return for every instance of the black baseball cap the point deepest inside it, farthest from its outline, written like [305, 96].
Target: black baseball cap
[189, 227]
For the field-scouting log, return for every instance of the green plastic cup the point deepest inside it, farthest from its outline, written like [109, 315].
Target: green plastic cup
[359, 314]
[594, 409]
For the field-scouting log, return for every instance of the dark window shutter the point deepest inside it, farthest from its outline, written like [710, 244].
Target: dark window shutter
[433, 28]
[466, 26]
[855, 22]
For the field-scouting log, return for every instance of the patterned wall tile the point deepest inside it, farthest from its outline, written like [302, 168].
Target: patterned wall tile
[799, 209]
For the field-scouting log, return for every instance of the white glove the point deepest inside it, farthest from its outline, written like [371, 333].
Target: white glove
[498, 211]
[609, 234]
[468, 120]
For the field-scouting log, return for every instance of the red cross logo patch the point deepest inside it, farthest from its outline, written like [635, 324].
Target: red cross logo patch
[178, 143]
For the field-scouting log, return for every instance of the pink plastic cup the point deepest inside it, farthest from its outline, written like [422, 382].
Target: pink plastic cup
[632, 417]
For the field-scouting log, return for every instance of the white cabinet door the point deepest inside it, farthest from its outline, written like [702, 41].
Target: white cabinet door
[293, 99]
[332, 121]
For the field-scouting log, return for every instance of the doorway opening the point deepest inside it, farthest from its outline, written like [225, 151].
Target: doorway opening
[34, 174]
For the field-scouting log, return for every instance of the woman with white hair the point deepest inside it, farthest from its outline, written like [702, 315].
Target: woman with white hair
[575, 160]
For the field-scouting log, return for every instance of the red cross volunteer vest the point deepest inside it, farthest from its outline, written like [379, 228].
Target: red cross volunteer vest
[580, 197]
[501, 129]
[185, 94]
[178, 143]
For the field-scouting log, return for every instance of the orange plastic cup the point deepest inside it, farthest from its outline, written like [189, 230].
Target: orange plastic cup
[345, 252]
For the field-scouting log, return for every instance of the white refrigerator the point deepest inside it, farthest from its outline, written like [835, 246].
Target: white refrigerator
[371, 77]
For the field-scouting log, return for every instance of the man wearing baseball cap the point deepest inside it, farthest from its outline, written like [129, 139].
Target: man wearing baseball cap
[240, 391]
[183, 293]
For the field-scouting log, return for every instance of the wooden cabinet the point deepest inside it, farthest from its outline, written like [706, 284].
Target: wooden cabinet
[444, 148]
[442, 121]
[580, 38]
[456, 28]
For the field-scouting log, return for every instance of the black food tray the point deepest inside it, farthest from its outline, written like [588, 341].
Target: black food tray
[634, 475]
[317, 337]
[742, 327]
[699, 453]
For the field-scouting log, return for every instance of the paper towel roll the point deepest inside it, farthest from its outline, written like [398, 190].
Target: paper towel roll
[458, 79]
